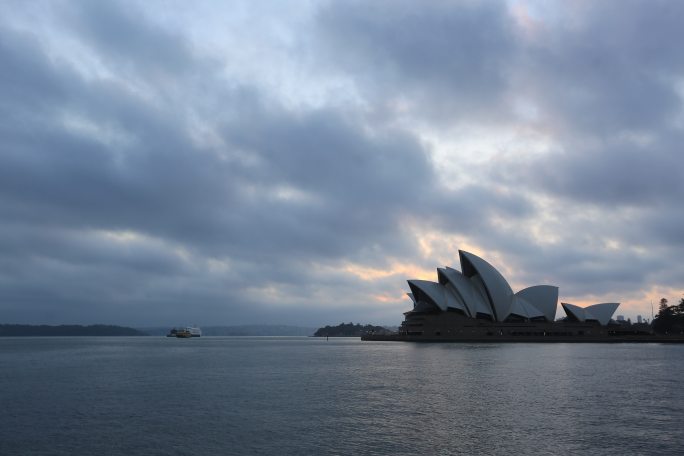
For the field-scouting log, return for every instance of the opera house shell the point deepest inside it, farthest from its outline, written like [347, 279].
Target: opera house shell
[477, 303]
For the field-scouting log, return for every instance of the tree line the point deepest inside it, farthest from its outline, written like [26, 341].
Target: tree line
[670, 318]
[349, 330]
[66, 330]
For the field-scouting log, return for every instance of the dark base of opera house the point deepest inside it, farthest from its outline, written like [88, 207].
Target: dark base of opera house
[455, 327]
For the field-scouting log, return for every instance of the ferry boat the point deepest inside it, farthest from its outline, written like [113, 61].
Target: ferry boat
[183, 333]
[188, 331]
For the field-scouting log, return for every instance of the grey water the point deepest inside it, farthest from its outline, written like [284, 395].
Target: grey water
[309, 396]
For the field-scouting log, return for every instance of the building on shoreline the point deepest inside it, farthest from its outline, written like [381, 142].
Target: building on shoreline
[478, 304]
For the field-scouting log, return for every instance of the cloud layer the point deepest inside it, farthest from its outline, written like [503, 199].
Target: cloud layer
[256, 164]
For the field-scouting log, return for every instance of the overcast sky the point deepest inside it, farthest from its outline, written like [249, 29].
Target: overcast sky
[296, 162]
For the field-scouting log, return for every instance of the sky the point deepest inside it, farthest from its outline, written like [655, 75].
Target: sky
[224, 163]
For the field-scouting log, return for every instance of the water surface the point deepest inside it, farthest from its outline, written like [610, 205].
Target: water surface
[305, 396]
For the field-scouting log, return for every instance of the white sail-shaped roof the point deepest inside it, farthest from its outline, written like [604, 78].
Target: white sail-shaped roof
[599, 312]
[573, 311]
[463, 287]
[602, 312]
[480, 290]
[433, 292]
[437, 294]
[523, 308]
[483, 304]
[497, 288]
[453, 300]
[543, 297]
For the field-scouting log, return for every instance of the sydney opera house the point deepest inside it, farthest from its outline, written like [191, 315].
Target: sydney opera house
[477, 303]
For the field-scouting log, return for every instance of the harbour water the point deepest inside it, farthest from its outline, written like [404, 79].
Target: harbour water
[308, 396]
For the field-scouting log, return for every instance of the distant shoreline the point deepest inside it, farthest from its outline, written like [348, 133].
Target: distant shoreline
[14, 330]
[26, 330]
[238, 330]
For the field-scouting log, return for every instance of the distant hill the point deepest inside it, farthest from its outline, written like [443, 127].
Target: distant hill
[242, 330]
[350, 330]
[67, 330]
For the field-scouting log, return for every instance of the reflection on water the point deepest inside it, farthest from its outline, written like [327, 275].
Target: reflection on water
[343, 396]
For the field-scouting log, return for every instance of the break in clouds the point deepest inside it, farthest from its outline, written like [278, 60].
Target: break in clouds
[168, 163]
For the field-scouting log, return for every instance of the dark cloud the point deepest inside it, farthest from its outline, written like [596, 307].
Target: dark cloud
[160, 188]
[130, 42]
[615, 172]
[604, 72]
[444, 57]
[282, 190]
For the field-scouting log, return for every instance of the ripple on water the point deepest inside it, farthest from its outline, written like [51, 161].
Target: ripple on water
[64, 396]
